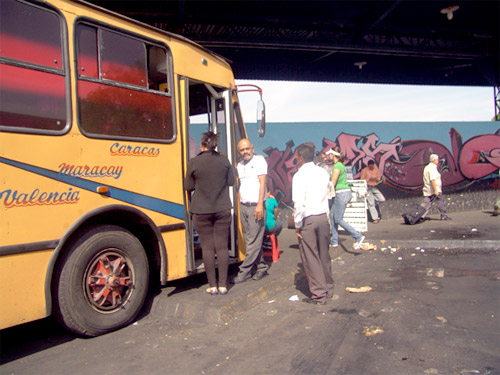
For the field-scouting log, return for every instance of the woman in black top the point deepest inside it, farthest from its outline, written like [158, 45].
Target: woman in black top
[210, 174]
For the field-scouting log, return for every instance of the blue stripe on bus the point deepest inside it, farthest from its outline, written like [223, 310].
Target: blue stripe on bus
[154, 204]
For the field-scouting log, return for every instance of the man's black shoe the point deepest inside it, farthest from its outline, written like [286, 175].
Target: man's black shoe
[239, 280]
[259, 275]
[313, 301]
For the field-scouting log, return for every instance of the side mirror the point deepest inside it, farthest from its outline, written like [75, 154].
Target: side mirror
[261, 119]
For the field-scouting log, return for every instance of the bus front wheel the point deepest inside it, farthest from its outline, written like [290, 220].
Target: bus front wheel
[103, 282]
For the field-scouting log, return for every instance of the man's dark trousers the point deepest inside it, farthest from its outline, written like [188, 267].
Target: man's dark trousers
[314, 246]
[436, 200]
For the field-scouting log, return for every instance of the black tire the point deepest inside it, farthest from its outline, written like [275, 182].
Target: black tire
[102, 282]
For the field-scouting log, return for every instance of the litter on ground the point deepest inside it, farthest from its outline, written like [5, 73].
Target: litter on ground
[371, 331]
[368, 246]
[441, 318]
[362, 289]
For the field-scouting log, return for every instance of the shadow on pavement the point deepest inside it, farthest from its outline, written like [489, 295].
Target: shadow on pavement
[24, 340]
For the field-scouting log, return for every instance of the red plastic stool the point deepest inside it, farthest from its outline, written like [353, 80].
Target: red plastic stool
[274, 249]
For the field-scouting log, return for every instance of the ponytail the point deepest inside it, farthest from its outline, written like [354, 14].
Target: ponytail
[209, 140]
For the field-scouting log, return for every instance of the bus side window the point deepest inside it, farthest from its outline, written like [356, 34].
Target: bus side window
[87, 51]
[122, 86]
[123, 59]
[30, 34]
[33, 85]
[157, 69]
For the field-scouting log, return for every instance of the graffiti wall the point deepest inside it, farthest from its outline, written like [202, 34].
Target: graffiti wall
[469, 152]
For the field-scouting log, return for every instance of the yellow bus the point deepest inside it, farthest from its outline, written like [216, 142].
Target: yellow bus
[96, 112]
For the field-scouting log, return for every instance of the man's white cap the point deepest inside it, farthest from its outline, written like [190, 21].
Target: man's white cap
[433, 157]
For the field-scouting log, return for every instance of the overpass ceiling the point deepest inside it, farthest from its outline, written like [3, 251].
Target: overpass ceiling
[399, 42]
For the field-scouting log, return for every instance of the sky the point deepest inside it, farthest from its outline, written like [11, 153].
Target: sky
[288, 101]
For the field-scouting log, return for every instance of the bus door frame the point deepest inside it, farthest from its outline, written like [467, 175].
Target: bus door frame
[226, 95]
[214, 126]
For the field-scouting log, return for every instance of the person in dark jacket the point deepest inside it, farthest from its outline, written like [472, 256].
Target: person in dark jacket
[209, 175]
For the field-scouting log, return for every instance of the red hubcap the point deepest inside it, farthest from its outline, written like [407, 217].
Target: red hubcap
[109, 281]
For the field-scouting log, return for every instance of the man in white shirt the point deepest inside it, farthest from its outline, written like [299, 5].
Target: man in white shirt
[252, 173]
[309, 194]
[432, 188]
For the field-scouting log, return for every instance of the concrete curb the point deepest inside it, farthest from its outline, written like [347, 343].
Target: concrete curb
[217, 312]
[439, 244]
[188, 312]
[244, 303]
[213, 313]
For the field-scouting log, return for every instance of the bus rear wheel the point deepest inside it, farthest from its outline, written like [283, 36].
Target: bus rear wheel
[103, 282]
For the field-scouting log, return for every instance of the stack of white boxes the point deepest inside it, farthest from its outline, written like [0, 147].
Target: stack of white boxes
[355, 212]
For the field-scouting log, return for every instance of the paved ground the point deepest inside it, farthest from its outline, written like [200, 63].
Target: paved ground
[473, 230]
[468, 229]
[438, 309]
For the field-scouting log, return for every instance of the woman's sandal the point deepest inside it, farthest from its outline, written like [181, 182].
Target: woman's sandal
[212, 291]
[222, 290]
